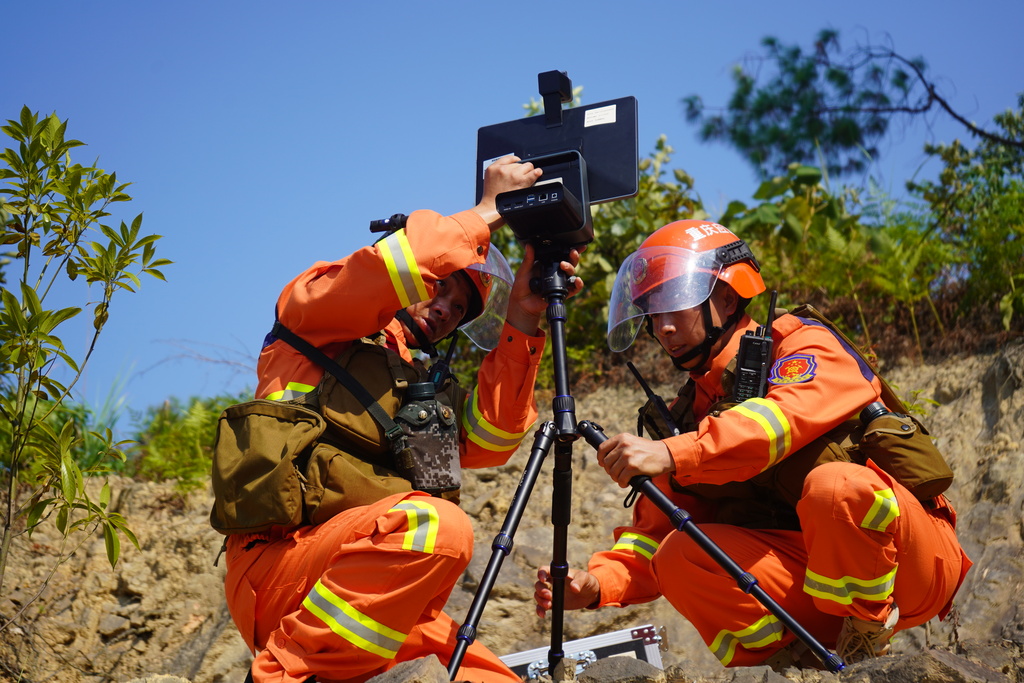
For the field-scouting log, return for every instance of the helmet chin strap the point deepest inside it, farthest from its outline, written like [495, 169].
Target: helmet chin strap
[711, 335]
[425, 344]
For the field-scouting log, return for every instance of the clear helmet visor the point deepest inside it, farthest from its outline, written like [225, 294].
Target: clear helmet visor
[657, 280]
[495, 277]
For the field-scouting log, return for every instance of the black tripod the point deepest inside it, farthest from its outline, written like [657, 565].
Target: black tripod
[561, 432]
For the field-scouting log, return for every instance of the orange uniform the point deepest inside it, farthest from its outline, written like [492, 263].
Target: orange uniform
[864, 541]
[352, 597]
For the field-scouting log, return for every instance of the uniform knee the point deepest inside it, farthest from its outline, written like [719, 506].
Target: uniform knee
[455, 529]
[456, 517]
[828, 484]
[432, 526]
[678, 560]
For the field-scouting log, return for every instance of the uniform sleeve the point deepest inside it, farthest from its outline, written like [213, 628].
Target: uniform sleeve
[335, 302]
[358, 295]
[501, 408]
[624, 571]
[815, 384]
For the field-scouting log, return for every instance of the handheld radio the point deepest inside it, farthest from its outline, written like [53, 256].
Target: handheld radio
[754, 359]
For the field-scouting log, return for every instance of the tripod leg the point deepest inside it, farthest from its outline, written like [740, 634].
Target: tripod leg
[502, 545]
[561, 514]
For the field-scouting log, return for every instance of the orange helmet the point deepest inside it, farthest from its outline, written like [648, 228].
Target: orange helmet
[675, 269]
[480, 288]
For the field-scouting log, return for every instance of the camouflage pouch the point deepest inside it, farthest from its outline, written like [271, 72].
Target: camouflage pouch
[429, 457]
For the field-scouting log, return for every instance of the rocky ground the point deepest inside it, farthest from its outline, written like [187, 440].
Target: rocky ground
[161, 613]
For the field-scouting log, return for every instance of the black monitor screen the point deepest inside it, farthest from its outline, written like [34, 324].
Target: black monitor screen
[605, 134]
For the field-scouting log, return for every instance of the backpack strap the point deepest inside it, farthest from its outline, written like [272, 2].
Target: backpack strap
[391, 430]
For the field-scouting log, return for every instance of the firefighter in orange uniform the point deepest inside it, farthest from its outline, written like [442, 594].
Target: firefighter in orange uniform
[849, 553]
[352, 597]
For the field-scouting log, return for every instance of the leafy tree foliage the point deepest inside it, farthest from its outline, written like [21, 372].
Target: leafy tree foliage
[820, 106]
[837, 251]
[978, 207]
[53, 213]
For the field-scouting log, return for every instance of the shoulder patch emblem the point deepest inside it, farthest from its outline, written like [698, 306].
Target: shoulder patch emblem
[800, 367]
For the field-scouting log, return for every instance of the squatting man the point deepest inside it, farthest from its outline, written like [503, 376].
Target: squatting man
[843, 546]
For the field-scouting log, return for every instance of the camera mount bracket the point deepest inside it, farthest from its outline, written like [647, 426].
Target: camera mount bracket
[555, 211]
[555, 89]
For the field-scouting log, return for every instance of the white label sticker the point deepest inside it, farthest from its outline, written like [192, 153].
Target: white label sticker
[599, 116]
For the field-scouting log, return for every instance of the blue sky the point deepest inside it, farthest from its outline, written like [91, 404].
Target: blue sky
[260, 137]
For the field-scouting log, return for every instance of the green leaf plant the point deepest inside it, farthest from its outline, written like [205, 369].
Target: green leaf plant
[52, 213]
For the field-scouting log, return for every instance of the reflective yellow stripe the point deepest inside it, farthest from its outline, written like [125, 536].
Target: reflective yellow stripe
[423, 524]
[292, 390]
[403, 269]
[843, 590]
[483, 433]
[882, 513]
[761, 633]
[352, 625]
[637, 543]
[775, 425]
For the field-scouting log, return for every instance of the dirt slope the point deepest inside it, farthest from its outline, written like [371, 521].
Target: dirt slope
[162, 610]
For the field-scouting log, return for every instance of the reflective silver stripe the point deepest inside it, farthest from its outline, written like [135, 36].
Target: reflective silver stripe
[352, 625]
[845, 589]
[403, 269]
[761, 633]
[637, 543]
[423, 525]
[291, 391]
[483, 433]
[775, 425]
[883, 511]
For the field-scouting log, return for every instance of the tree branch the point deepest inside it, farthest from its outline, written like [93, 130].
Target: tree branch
[934, 96]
